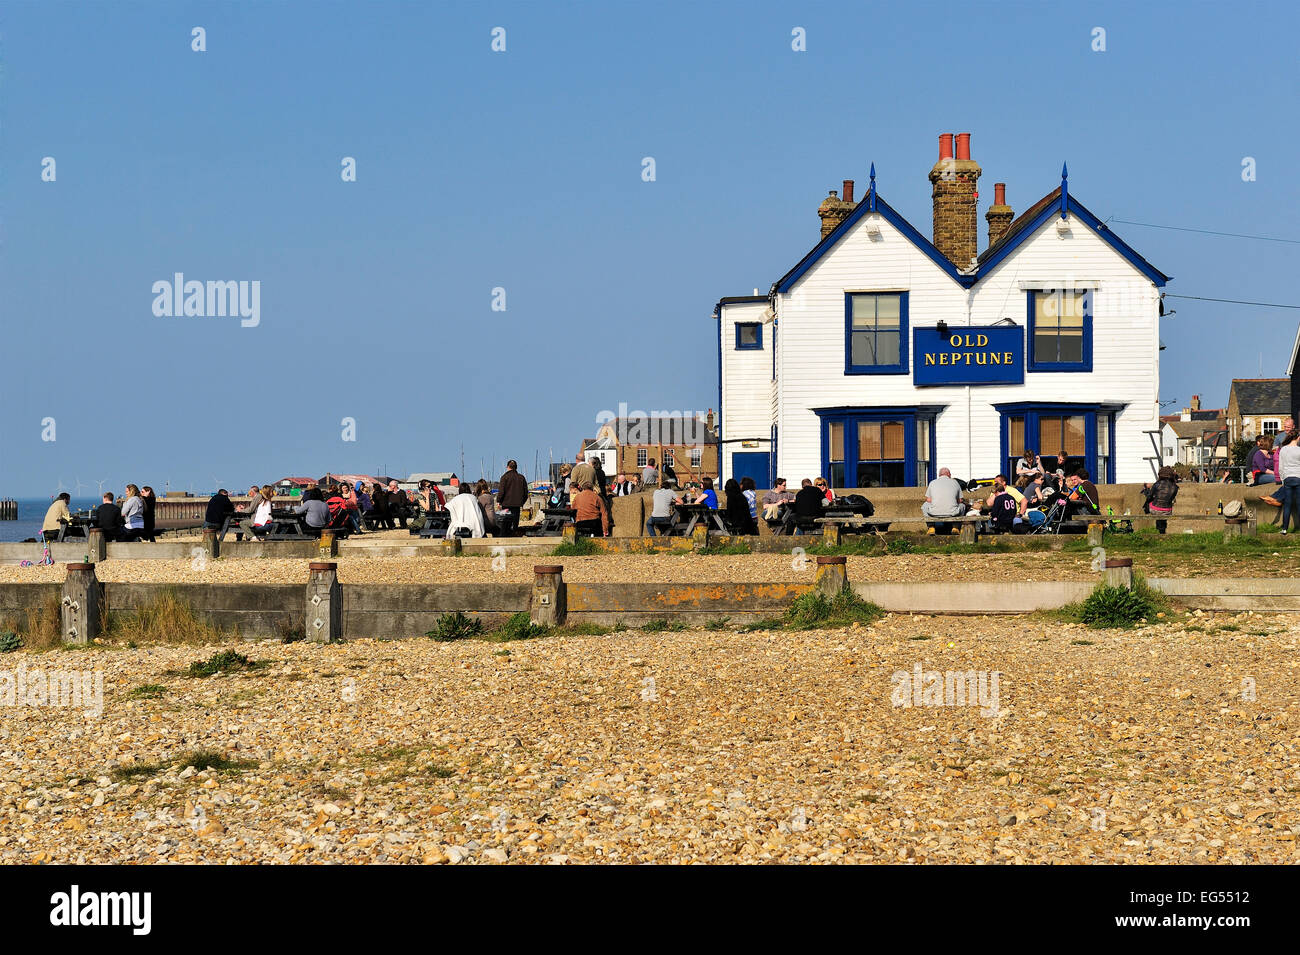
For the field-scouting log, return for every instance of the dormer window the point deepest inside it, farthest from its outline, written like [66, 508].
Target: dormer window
[1060, 330]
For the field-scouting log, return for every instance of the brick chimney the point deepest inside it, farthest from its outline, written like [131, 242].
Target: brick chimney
[999, 215]
[1196, 402]
[835, 210]
[955, 178]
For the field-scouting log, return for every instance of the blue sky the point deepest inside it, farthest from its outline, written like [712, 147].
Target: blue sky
[522, 170]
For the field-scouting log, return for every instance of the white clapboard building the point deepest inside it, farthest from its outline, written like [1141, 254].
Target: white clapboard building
[881, 356]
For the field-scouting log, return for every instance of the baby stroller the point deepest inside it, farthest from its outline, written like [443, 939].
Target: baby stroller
[1053, 509]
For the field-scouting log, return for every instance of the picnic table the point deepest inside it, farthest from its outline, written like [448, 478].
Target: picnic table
[554, 520]
[687, 516]
[285, 525]
[78, 527]
[435, 524]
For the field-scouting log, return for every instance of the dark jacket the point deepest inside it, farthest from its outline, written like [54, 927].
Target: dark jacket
[219, 505]
[108, 518]
[808, 502]
[512, 490]
[1162, 494]
[149, 503]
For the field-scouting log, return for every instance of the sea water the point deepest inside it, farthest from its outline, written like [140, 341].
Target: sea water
[31, 513]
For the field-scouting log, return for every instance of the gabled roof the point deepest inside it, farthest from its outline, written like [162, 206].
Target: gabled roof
[1040, 212]
[1057, 201]
[1191, 430]
[872, 203]
[1256, 396]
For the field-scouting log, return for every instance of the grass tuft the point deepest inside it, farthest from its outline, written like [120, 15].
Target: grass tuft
[582, 547]
[456, 626]
[227, 661]
[165, 619]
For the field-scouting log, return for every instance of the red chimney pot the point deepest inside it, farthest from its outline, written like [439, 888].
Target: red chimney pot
[847, 194]
[999, 193]
[963, 145]
[945, 146]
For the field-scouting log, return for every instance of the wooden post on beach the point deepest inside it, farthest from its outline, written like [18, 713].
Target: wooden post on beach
[96, 547]
[832, 574]
[329, 544]
[831, 535]
[79, 607]
[324, 619]
[1095, 533]
[1234, 527]
[968, 534]
[547, 606]
[1119, 572]
[211, 542]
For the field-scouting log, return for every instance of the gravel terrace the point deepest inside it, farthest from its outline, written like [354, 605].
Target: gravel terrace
[1109, 746]
[669, 568]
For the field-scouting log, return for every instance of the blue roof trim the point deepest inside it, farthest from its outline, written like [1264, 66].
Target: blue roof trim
[887, 212]
[1091, 221]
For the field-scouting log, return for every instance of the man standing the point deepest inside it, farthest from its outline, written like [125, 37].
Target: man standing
[512, 494]
[582, 473]
[943, 497]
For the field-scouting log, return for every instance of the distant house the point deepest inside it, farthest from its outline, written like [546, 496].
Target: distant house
[688, 444]
[1195, 436]
[1257, 406]
[440, 478]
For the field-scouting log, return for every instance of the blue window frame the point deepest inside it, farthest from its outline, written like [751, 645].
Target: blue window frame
[749, 336]
[877, 447]
[1059, 329]
[1028, 423]
[875, 333]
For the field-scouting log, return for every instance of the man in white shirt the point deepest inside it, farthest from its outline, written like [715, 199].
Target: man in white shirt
[943, 497]
[465, 513]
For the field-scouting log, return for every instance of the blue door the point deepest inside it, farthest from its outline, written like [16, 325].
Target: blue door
[752, 464]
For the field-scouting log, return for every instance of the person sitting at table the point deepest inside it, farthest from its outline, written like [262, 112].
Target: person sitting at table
[399, 505]
[314, 509]
[775, 498]
[220, 506]
[590, 517]
[649, 474]
[708, 495]
[660, 520]
[150, 502]
[1033, 491]
[260, 522]
[483, 491]
[1027, 468]
[132, 515]
[822, 485]
[808, 504]
[254, 498]
[57, 515]
[1083, 497]
[736, 513]
[622, 486]
[750, 490]
[262, 519]
[108, 518]
[943, 497]
[465, 513]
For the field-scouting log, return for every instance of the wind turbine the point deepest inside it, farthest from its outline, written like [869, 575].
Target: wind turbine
[62, 487]
[80, 486]
[101, 486]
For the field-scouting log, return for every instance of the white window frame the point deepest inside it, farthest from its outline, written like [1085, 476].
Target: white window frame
[697, 457]
[1264, 425]
[642, 457]
[669, 459]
